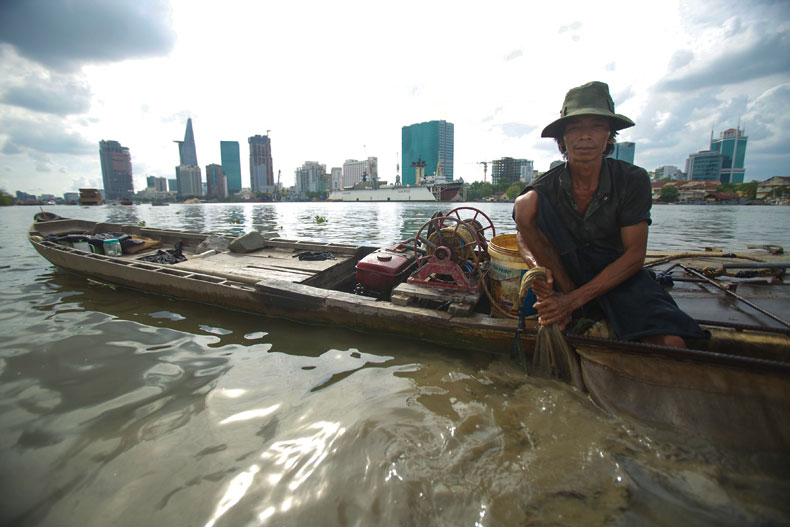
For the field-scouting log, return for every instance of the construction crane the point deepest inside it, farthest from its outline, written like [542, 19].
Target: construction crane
[485, 169]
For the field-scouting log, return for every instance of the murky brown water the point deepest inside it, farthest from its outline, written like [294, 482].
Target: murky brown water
[120, 408]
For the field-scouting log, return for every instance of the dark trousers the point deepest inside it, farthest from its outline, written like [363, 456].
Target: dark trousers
[637, 308]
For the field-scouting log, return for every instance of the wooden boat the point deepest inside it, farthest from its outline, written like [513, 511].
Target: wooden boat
[733, 388]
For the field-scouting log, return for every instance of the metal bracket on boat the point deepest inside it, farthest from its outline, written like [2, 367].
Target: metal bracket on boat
[727, 291]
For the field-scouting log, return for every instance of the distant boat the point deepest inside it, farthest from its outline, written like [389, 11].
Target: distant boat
[159, 204]
[127, 202]
[90, 196]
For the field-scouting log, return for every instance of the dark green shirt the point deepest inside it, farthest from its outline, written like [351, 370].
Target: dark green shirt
[623, 198]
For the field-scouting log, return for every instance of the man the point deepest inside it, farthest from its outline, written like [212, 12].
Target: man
[587, 220]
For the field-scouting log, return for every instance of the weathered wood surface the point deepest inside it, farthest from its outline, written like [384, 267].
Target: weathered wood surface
[462, 303]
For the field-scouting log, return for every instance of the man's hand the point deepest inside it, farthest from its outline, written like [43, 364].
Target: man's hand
[543, 288]
[555, 309]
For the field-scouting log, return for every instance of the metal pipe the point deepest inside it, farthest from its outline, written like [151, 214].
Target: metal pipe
[734, 295]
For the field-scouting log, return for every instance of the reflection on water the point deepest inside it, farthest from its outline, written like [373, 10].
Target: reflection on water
[121, 407]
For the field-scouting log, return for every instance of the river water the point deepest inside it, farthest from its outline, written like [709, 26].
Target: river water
[122, 408]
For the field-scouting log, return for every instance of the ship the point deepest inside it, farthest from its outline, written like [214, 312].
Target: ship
[90, 196]
[427, 189]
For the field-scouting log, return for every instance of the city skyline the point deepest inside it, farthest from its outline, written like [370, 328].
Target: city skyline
[677, 69]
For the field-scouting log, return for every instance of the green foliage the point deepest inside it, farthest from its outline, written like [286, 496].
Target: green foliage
[141, 223]
[669, 193]
[320, 219]
[747, 190]
[5, 199]
[726, 187]
[514, 190]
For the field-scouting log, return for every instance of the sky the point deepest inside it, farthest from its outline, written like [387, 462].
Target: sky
[331, 81]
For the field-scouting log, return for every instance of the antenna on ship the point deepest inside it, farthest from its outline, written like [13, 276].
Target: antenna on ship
[397, 171]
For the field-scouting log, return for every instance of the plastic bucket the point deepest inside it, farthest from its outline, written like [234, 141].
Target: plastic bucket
[504, 276]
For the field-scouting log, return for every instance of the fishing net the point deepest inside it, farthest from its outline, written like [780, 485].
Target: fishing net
[553, 357]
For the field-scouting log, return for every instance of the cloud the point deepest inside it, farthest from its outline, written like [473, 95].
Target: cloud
[45, 136]
[514, 54]
[764, 56]
[63, 35]
[680, 58]
[516, 129]
[55, 94]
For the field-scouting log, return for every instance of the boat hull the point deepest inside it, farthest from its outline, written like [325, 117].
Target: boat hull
[739, 407]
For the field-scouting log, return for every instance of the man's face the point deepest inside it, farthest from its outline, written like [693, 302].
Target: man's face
[585, 137]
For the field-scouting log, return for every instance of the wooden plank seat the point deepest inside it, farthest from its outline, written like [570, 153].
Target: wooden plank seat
[271, 263]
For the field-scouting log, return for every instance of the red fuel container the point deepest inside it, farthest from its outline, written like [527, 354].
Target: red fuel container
[383, 269]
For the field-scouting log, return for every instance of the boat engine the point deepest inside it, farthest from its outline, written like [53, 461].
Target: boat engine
[451, 248]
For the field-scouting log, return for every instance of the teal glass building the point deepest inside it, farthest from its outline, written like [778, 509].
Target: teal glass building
[731, 144]
[423, 145]
[624, 151]
[704, 166]
[231, 165]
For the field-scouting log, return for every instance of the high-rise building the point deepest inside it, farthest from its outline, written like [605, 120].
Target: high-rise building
[261, 170]
[158, 184]
[356, 171]
[187, 155]
[731, 144]
[172, 184]
[669, 171]
[624, 151]
[231, 165]
[336, 178]
[216, 182]
[116, 170]
[511, 170]
[311, 177]
[705, 165]
[190, 182]
[423, 147]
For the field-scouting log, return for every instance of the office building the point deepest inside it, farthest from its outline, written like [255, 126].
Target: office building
[423, 147]
[172, 185]
[357, 171]
[671, 172]
[624, 152]
[116, 170]
[187, 155]
[511, 170]
[158, 184]
[231, 165]
[190, 182]
[216, 182]
[705, 165]
[731, 144]
[311, 177]
[261, 170]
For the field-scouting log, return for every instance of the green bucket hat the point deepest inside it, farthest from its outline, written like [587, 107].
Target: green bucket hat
[590, 99]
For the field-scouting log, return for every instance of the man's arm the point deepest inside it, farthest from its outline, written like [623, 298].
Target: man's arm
[536, 249]
[558, 307]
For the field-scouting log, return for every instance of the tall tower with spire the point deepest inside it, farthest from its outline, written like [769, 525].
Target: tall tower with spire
[186, 148]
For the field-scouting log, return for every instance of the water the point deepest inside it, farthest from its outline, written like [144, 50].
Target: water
[121, 408]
